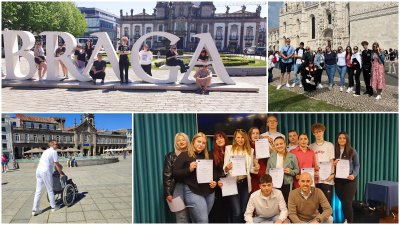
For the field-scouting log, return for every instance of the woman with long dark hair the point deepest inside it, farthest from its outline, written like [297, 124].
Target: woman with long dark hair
[346, 188]
[378, 70]
[254, 135]
[220, 211]
[349, 65]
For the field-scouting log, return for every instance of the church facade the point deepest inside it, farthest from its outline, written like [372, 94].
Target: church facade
[329, 23]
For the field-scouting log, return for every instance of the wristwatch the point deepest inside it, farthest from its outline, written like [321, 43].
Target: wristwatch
[318, 220]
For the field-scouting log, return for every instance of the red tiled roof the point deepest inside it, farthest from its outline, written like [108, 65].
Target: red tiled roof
[39, 119]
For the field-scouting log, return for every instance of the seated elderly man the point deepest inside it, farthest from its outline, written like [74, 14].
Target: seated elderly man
[203, 79]
[267, 204]
[304, 203]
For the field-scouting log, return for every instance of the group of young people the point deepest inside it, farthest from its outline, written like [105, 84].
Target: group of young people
[350, 61]
[297, 200]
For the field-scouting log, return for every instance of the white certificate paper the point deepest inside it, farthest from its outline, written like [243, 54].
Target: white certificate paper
[343, 168]
[176, 204]
[262, 148]
[310, 171]
[325, 170]
[229, 186]
[204, 171]
[277, 177]
[238, 165]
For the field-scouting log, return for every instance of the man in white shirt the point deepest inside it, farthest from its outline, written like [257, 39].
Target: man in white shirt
[272, 131]
[44, 175]
[324, 153]
[267, 203]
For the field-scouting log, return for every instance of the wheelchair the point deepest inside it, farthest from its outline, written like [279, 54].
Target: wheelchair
[64, 189]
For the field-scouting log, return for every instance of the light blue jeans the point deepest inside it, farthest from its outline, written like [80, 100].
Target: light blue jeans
[296, 70]
[181, 216]
[342, 72]
[330, 71]
[199, 206]
[259, 219]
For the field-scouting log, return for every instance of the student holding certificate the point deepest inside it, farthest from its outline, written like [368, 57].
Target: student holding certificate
[172, 188]
[240, 151]
[283, 159]
[305, 156]
[254, 134]
[219, 213]
[324, 154]
[346, 187]
[199, 197]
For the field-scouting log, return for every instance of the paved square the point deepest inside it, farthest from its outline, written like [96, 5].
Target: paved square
[105, 195]
[95, 100]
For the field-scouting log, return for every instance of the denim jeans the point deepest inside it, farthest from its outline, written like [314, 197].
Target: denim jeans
[330, 71]
[239, 202]
[199, 206]
[342, 72]
[296, 70]
[259, 219]
[181, 216]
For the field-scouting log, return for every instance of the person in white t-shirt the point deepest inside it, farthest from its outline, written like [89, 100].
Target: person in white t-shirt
[44, 175]
[145, 57]
[324, 152]
[293, 140]
[272, 131]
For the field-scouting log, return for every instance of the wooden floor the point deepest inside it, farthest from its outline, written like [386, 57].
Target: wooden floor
[391, 219]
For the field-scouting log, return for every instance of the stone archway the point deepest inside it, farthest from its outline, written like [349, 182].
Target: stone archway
[328, 35]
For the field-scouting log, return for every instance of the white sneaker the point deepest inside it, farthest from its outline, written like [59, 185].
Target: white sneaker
[330, 87]
[341, 89]
[320, 86]
[301, 85]
[288, 85]
[293, 85]
[37, 212]
[355, 95]
[378, 97]
[349, 89]
[279, 87]
[55, 208]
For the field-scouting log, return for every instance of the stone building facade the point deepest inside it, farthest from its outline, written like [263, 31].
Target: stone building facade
[35, 132]
[329, 23]
[230, 30]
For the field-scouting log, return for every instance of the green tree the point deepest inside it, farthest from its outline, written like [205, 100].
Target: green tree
[37, 17]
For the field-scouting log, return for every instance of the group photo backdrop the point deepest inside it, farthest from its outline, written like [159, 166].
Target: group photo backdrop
[374, 136]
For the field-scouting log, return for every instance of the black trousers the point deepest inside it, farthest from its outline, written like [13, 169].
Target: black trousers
[285, 189]
[367, 80]
[98, 75]
[318, 75]
[346, 190]
[328, 191]
[357, 74]
[147, 69]
[123, 66]
[176, 62]
[350, 71]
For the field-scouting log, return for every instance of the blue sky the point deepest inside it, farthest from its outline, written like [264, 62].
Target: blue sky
[115, 6]
[103, 121]
[273, 14]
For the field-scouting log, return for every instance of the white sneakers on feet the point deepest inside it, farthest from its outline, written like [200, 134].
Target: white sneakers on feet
[356, 95]
[349, 89]
[55, 208]
[293, 85]
[378, 97]
[320, 86]
[288, 85]
[37, 212]
[278, 87]
[341, 89]
[301, 85]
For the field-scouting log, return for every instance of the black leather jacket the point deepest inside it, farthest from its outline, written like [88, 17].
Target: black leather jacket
[168, 179]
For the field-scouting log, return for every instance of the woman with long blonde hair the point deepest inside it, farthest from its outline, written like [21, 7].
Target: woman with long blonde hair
[173, 188]
[199, 197]
[240, 147]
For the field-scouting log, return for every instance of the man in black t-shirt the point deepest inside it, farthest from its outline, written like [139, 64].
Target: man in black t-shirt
[98, 69]
[366, 67]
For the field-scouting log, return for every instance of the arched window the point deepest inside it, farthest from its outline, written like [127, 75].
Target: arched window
[312, 27]
[329, 17]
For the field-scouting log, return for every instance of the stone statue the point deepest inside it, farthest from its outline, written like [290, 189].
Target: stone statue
[144, 11]
[120, 12]
[243, 8]
[227, 9]
[131, 12]
[258, 10]
[154, 11]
